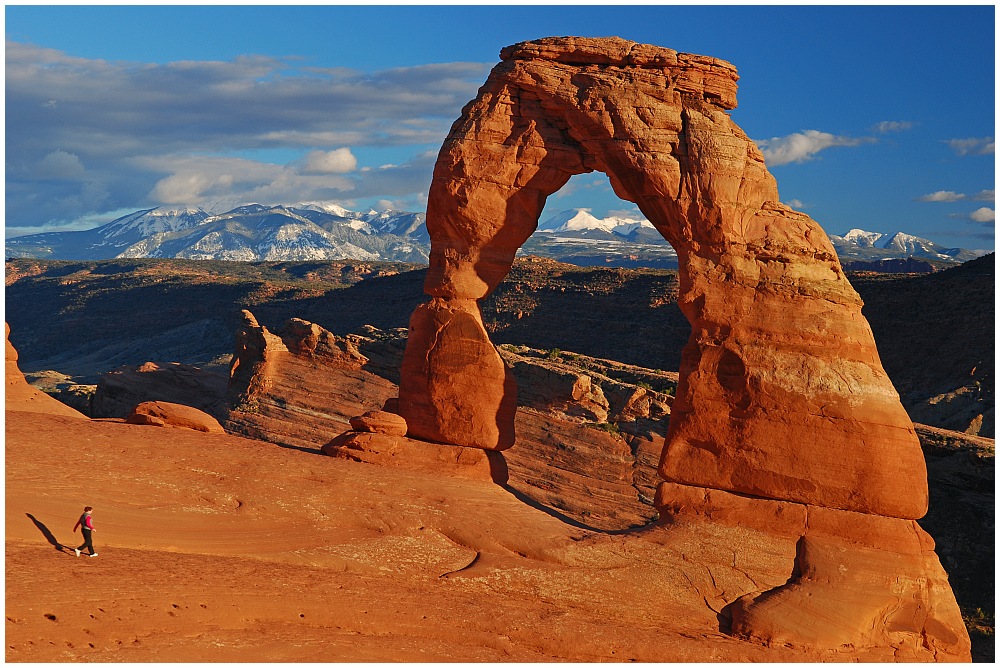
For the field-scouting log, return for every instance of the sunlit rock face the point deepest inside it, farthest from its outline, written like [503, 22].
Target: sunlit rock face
[782, 396]
[782, 393]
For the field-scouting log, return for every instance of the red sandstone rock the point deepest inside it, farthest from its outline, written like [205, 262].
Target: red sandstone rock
[779, 355]
[250, 371]
[166, 414]
[858, 581]
[310, 340]
[379, 422]
[454, 387]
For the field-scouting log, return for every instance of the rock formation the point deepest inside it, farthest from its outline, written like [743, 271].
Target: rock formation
[782, 402]
[298, 385]
[166, 414]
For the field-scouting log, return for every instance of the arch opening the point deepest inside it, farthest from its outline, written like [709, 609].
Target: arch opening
[586, 225]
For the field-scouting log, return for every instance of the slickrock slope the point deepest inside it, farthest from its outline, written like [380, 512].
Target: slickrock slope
[782, 398]
[217, 548]
[563, 464]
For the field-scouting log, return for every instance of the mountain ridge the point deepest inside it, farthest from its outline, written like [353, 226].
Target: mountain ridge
[328, 231]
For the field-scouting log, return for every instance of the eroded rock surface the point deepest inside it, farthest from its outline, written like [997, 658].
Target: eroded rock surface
[299, 386]
[757, 373]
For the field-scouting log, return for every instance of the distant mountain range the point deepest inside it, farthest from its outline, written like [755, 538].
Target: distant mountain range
[325, 231]
[248, 233]
[859, 245]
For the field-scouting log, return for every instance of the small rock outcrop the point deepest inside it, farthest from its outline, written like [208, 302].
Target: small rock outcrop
[782, 398]
[379, 422]
[297, 385]
[252, 365]
[166, 414]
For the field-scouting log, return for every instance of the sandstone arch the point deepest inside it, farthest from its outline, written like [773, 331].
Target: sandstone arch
[782, 394]
[784, 419]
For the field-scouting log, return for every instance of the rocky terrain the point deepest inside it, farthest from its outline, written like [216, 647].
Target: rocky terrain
[931, 331]
[943, 367]
[594, 458]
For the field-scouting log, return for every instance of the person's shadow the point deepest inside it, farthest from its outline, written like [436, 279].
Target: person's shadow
[48, 534]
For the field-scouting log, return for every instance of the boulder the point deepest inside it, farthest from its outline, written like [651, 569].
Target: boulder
[379, 422]
[166, 414]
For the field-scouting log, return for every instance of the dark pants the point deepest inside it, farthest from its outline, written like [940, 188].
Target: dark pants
[87, 540]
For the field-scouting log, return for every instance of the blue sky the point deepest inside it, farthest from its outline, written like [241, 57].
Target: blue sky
[880, 118]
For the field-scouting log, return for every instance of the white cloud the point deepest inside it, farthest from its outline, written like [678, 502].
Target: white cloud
[796, 204]
[193, 180]
[631, 213]
[803, 146]
[131, 125]
[985, 196]
[417, 202]
[337, 161]
[187, 188]
[883, 127]
[942, 196]
[983, 215]
[60, 165]
[972, 146]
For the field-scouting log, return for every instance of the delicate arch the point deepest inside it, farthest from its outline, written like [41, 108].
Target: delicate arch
[781, 395]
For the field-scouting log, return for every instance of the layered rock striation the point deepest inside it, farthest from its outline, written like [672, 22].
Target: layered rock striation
[782, 398]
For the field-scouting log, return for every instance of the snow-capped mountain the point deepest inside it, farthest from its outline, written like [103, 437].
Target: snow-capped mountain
[861, 238]
[250, 232]
[861, 245]
[581, 220]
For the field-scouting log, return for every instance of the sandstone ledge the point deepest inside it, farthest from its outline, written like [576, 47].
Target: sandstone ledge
[411, 454]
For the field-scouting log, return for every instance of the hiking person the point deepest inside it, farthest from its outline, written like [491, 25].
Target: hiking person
[86, 524]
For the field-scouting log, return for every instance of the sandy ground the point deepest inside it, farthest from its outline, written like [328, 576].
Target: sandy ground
[218, 548]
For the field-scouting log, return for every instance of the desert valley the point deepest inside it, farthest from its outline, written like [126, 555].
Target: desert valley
[756, 456]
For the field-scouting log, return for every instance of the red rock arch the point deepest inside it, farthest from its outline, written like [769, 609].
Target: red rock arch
[782, 394]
